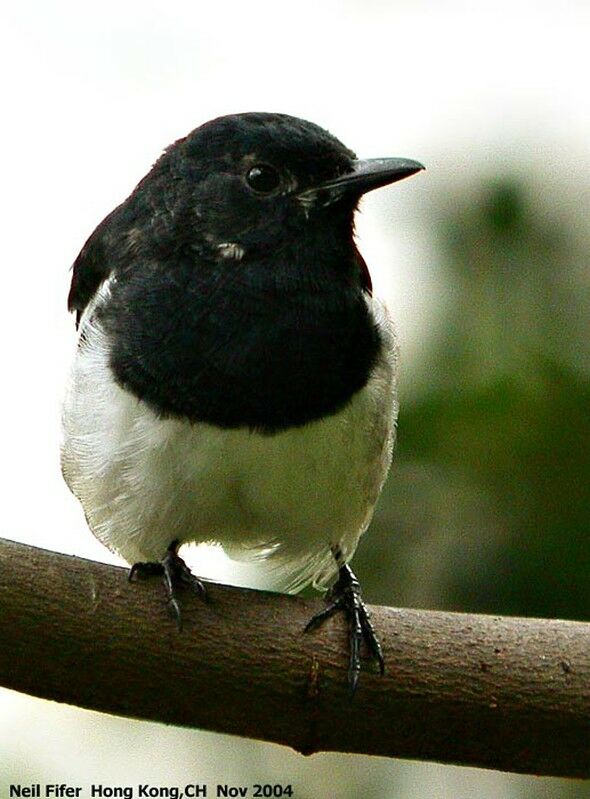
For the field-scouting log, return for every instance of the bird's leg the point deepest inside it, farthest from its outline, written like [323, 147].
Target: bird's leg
[175, 573]
[345, 595]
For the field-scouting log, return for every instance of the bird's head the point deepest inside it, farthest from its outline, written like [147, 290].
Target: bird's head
[251, 184]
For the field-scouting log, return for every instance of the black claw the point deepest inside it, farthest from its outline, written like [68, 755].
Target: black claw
[346, 595]
[370, 637]
[175, 573]
[354, 667]
[175, 611]
[144, 570]
[320, 617]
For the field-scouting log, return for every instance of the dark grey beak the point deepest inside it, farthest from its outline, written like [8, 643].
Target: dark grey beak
[366, 175]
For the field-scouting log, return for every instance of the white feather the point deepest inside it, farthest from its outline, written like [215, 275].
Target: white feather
[144, 481]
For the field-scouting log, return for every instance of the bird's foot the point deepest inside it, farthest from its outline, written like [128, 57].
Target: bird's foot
[345, 595]
[175, 573]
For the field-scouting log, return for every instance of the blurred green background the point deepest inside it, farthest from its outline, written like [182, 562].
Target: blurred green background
[488, 507]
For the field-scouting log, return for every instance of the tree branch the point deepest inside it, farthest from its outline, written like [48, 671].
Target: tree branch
[504, 693]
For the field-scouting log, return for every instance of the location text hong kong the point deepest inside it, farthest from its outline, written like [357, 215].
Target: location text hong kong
[98, 791]
[147, 791]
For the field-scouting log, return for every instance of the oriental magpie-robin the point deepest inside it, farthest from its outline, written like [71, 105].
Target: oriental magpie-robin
[234, 379]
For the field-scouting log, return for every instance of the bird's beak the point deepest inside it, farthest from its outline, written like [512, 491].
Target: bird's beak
[366, 175]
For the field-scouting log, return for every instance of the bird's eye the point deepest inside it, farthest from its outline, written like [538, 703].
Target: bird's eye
[263, 178]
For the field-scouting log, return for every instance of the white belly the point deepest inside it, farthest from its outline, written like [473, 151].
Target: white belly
[145, 481]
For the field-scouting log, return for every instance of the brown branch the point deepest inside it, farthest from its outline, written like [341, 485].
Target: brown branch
[504, 693]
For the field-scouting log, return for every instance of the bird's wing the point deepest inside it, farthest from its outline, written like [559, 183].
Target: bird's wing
[91, 268]
[366, 282]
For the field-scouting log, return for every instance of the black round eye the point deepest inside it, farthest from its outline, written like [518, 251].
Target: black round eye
[263, 178]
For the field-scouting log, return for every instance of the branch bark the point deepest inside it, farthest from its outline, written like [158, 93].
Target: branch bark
[504, 693]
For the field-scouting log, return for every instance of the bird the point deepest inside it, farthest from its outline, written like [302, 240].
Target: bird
[234, 380]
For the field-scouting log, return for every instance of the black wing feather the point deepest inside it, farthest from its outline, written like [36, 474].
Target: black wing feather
[90, 268]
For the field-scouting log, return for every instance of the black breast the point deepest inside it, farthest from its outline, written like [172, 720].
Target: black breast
[234, 345]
